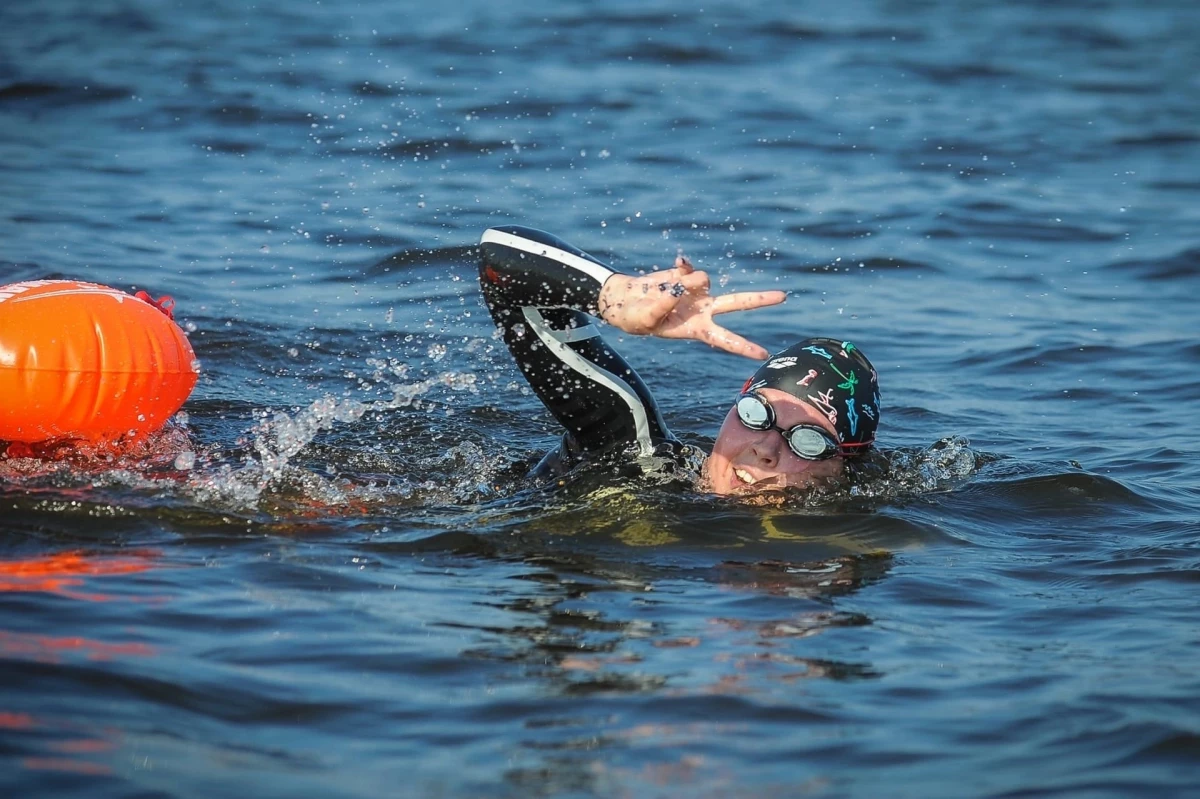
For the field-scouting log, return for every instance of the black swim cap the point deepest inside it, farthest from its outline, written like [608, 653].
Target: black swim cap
[832, 376]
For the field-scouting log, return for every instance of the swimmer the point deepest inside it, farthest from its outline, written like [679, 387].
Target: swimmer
[804, 415]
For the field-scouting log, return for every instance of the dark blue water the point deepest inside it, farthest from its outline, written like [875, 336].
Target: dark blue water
[351, 593]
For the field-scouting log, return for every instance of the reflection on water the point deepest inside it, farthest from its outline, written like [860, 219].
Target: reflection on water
[67, 572]
[48, 743]
[669, 660]
[582, 650]
[61, 747]
[53, 649]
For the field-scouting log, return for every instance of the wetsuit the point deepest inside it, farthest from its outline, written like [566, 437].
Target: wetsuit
[540, 291]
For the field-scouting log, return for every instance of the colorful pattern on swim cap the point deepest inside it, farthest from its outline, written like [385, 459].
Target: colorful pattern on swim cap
[832, 376]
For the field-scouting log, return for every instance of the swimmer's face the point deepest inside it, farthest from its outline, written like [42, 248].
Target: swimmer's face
[745, 461]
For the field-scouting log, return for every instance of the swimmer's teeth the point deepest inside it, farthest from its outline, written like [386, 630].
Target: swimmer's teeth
[744, 476]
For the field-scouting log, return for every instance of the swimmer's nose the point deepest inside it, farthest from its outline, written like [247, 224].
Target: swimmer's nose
[766, 450]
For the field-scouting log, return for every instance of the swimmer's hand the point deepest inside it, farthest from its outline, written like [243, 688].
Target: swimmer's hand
[675, 303]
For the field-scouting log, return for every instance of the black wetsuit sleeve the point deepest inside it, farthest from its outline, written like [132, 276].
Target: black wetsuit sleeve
[539, 290]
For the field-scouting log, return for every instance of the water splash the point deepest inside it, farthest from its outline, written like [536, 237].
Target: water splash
[263, 468]
[941, 466]
[66, 462]
[278, 440]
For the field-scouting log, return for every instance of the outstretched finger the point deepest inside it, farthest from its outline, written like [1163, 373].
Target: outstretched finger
[746, 300]
[683, 264]
[729, 341]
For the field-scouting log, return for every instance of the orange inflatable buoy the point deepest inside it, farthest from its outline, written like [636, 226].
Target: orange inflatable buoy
[83, 361]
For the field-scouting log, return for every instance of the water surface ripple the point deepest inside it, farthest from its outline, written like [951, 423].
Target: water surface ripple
[349, 591]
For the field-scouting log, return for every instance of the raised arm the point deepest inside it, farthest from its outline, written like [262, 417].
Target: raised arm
[539, 290]
[530, 267]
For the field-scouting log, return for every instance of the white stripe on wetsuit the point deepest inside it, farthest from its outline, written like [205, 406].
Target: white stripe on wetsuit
[574, 333]
[591, 371]
[597, 272]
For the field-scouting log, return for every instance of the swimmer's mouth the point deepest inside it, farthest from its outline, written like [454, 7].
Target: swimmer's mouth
[747, 480]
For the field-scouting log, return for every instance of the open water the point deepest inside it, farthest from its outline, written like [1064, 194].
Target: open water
[330, 580]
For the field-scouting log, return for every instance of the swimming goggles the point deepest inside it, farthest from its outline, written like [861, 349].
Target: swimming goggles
[807, 441]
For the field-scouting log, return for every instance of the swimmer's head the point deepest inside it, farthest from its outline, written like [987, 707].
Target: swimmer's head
[835, 378]
[799, 417]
